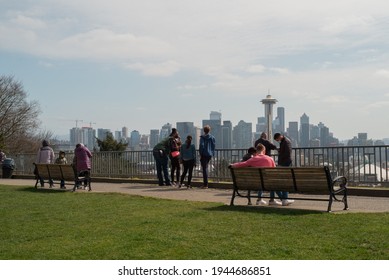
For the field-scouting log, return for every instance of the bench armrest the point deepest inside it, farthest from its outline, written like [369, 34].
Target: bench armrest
[340, 181]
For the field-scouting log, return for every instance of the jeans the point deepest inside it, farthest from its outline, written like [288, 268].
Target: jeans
[285, 195]
[204, 160]
[161, 162]
[272, 194]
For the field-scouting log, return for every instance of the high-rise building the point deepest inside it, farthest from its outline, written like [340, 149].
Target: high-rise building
[280, 120]
[215, 123]
[324, 136]
[261, 125]
[125, 132]
[188, 128]
[243, 135]
[134, 140]
[314, 132]
[118, 135]
[226, 140]
[165, 131]
[85, 135]
[304, 131]
[75, 136]
[154, 137]
[215, 116]
[268, 102]
[102, 133]
[362, 138]
[293, 133]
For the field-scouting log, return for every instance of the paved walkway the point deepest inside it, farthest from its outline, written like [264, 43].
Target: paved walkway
[356, 203]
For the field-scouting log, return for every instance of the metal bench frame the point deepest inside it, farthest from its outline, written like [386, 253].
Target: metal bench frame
[301, 180]
[55, 173]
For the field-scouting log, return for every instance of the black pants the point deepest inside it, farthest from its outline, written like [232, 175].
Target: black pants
[175, 161]
[188, 166]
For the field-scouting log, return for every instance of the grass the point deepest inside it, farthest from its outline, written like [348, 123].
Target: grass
[59, 225]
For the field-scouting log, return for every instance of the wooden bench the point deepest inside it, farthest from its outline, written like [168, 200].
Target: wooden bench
[55, 173]
[301, 180]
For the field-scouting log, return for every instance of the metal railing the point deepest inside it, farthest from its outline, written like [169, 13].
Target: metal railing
[367, 165]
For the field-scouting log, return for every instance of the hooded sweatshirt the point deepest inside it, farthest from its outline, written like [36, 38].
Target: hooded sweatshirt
[207, 145]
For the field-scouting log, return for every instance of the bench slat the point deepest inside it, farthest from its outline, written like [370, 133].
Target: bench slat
[309, 180]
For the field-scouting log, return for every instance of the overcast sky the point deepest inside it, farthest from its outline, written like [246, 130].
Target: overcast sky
[142, 64]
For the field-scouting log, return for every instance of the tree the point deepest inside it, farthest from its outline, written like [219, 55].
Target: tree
[18, 117]
[110, 144]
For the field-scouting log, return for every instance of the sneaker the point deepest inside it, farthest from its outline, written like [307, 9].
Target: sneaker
[261, 202]
[204, 187]
[287, 202]
[274, 202]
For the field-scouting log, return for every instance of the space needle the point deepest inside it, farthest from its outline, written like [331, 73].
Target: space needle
[268, 102]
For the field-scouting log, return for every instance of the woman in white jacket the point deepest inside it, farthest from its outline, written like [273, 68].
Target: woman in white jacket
[45, 155]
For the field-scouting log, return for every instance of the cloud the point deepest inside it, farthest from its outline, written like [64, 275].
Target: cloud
[258, 68]
[383, 73]
[192, 87]
[163, 69]
[102, 44]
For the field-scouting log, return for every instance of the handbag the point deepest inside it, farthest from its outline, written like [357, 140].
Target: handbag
[175, 154]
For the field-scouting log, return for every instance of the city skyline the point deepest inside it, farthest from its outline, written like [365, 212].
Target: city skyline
[110, 64]
[303, 133]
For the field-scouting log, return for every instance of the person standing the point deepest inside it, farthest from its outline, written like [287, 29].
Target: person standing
[82, 162]
[268, 145]
[45, 155]
[207, 151]
[188, 158]
[284, 159]
[160, 154]
[174, 146]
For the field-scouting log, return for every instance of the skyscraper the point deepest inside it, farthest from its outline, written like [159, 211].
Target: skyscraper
[269, 102]
[304, 131]
[226, 141]
[215, 123]
[243, 135]
[165, 131]
[135, 140]
[280, 120]
[125, 132]
[154, 137]
[188, 128]
[293, 133]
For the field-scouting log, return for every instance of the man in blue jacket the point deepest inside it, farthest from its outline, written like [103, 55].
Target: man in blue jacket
[207, 151]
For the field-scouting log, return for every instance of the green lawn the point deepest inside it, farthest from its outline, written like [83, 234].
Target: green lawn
[51, 224]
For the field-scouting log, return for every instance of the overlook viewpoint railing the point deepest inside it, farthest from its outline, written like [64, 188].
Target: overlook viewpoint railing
[362, 165]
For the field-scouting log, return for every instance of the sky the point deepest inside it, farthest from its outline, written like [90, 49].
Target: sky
[141, 64]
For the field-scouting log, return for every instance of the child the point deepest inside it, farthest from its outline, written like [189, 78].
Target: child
[61, 160]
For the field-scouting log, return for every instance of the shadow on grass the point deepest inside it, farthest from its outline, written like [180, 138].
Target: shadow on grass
[42, 190]
[264, 210]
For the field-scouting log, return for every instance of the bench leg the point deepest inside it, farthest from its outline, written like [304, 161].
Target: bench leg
[233, 198]
[330, 204]
[345, 200]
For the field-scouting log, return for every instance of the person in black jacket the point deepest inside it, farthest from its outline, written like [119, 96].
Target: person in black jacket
[284, 159]
[268, 145]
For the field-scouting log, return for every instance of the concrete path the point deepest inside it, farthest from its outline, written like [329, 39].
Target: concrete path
[356, 203]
